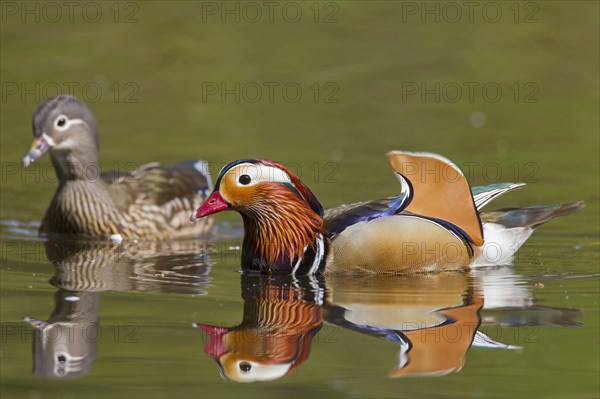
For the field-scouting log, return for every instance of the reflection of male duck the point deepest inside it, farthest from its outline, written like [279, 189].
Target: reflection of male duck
[275, 335]
[282, 315]
[509, 301]
[433, 318]
[65, 345]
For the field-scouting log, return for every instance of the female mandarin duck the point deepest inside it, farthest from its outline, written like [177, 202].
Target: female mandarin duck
[434, 224]
[153, 202]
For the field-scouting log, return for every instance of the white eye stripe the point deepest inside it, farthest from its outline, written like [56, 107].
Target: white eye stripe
[68, 122]
[260, 173]
[261, 372]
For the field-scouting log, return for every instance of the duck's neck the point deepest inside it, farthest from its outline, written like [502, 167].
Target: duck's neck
[76, 164]
[284, 241]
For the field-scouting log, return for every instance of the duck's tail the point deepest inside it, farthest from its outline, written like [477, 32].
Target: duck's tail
[505, 230]
[530, 217]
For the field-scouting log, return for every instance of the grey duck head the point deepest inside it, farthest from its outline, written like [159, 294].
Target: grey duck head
[66, 128]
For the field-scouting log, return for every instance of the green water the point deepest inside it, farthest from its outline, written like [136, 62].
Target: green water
[147, 69]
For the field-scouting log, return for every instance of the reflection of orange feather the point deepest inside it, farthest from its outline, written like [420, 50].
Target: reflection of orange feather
[278, 327]
[440, 350]
[437, 313]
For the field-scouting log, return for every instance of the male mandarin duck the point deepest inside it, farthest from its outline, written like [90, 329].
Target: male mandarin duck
[434, 224]
[153, 202]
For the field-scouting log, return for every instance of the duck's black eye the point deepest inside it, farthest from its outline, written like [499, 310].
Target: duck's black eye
[245, 179]
[61, 122]
[245, 367]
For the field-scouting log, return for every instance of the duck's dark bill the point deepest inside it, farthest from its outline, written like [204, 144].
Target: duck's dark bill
[38, 148]
[215, 203]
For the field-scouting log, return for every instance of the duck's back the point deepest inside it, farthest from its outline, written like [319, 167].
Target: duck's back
[153, 202]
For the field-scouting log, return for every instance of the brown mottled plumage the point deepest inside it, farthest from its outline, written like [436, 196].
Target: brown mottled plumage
[153, 202]
[178, 266]
[83, 269]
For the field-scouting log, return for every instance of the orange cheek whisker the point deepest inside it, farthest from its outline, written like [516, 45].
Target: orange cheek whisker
[281, 226]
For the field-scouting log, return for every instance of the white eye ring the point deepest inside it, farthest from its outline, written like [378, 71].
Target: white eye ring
[62, 123]
[255, 173]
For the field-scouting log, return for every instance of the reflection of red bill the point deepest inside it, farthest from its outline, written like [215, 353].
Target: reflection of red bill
[39, 147]
[215, 347]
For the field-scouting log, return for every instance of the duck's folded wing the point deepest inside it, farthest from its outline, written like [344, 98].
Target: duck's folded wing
[338, 218]
[156, 185]
[432, 187]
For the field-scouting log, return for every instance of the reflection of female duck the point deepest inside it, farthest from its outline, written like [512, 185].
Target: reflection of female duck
[275, 335]
[65, 345]
[177, 266]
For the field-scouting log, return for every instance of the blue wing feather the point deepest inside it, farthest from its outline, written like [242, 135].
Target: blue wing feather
[339, 218]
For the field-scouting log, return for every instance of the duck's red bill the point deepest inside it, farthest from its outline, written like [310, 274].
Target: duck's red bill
[215, 203]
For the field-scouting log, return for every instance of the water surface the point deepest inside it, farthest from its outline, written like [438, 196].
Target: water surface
[150, 319]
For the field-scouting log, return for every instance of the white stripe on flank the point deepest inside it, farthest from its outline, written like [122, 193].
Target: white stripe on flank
[318, 255]
[404, 186]
[298, 263]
